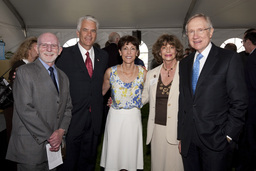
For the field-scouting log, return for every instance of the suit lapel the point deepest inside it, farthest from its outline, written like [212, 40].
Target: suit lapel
[189, 70]
[209, 64]
[60, 80]
[97, 62]
[61, 87]
[175, 82]
[154, 86]
[79, 60]
[44, 75]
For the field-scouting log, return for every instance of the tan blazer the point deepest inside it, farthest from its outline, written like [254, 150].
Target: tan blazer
[149, 95]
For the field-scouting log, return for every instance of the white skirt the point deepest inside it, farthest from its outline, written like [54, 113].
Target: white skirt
[122, 144]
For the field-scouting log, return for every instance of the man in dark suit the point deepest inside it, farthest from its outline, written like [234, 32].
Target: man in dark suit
[114, 59]
[85, 66]
[211, 110]
[112, 50]
[42, 109]
[247, 155]
[241, 153]
[244, 54]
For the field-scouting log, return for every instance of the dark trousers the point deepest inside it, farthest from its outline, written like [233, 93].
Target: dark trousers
[246, 155]
[39, 167]
[201, 158]
[81, 151]
[5, 164]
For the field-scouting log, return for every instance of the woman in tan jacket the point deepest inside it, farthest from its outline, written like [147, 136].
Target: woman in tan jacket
[161, 90]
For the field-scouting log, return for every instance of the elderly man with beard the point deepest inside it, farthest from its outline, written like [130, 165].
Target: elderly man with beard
[42, 108]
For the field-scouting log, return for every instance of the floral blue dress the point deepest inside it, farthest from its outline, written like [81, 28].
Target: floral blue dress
[122, 144]
[126, 95]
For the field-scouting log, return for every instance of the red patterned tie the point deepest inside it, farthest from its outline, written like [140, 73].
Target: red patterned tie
[88, 64]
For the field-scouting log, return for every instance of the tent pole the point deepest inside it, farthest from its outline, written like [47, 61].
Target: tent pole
[189, 12]
[17, 15]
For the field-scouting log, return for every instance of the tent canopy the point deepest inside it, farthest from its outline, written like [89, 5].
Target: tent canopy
[134, 14]
[31, 18]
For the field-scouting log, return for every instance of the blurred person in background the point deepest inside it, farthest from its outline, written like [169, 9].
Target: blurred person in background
[26, 53]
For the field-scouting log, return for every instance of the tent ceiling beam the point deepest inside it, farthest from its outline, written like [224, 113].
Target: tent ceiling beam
[188, 14]
[17, 15]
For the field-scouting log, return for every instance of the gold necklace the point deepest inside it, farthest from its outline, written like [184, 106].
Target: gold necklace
[169, 69]
[125, 75]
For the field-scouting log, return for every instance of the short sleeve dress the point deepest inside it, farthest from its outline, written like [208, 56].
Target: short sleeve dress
[122, 144]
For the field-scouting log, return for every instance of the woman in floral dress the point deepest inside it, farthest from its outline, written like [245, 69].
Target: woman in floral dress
[122, 145]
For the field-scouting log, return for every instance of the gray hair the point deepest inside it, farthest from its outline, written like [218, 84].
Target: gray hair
[87, 17]
[113, 36]
[201, 15]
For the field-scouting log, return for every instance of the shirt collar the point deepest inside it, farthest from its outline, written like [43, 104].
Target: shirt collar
[252, 51]
[84, 51]
[25, 60]
[47, 66]
[206, 51]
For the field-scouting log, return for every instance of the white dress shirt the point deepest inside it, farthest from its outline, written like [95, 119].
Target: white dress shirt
[205, 54]
[84, 51]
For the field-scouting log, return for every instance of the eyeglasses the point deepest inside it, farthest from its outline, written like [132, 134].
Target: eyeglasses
[198, 31]
[45, 45]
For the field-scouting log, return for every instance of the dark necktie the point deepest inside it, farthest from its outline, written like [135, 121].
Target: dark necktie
[88, 64]
[53, 77]
[196, 68]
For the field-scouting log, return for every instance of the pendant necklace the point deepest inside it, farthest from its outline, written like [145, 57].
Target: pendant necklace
[169, 69]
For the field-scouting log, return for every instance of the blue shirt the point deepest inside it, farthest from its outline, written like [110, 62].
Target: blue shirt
[54, 71]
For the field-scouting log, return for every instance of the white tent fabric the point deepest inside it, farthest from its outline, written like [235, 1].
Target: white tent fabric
[153, 18]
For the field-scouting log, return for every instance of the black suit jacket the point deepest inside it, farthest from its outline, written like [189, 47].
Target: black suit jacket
[219, 104]
[85, 91]
[250, 74]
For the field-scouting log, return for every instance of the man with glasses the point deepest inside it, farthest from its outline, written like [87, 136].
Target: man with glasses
[213, 100]
[42, 108]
